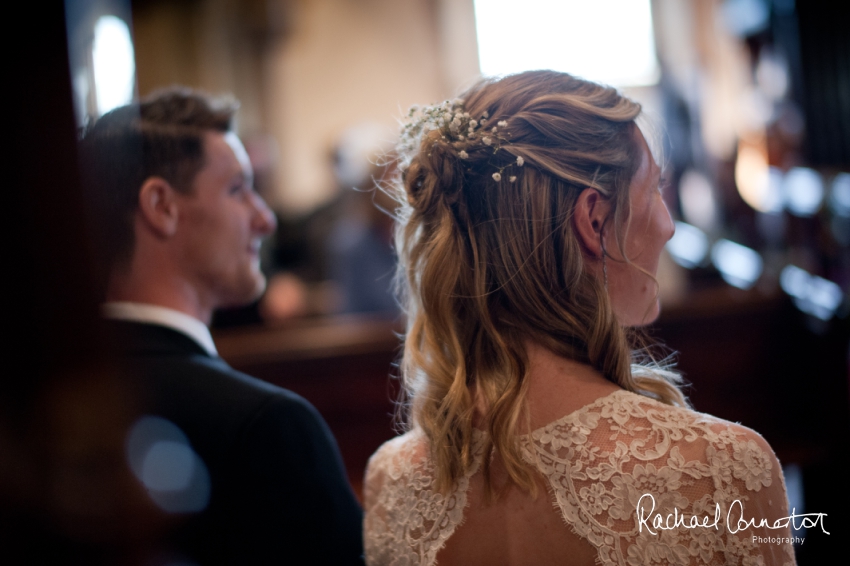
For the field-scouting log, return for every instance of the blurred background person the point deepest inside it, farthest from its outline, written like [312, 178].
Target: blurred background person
[361, 261]
[338, 258]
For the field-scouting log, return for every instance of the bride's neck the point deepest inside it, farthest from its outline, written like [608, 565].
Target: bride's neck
[558, 386]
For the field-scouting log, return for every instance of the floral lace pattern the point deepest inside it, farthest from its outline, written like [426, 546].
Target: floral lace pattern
[410, 522]
[620, 458]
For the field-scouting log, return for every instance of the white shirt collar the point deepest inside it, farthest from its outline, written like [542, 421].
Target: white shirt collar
[163, 316]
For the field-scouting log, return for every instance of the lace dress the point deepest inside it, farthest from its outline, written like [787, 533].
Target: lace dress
[601, 462]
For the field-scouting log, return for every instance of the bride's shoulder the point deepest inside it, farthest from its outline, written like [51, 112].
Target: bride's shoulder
[411, 445]
[639, 406]
[625, 415]
[394, 458]
[685, 416]
[722, 439]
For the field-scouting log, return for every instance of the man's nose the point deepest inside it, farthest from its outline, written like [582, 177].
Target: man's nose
[265, 222]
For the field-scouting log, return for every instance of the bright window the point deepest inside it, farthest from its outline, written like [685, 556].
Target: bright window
[608, 41]
[114, 63]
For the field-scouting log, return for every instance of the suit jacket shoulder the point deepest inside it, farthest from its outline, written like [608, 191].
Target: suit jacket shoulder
[279, 489]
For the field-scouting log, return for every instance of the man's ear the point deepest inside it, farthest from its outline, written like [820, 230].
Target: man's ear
[591, 212]
[158, 206]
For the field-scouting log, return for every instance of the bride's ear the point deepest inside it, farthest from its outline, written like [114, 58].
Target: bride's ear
[591, 212]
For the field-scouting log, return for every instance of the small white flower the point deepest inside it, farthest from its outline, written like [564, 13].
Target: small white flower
[512, 178]
[462, 138]
[502, 124]
[447, 117]
[520, 161]
[494, 129]
[486, 114]
[473, 124]
[497, 176]
[463, 155]
[487, 140]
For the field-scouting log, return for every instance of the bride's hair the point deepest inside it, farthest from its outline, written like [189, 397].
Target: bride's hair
[489, 258]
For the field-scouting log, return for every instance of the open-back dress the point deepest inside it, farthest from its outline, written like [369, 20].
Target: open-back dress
[613, 469]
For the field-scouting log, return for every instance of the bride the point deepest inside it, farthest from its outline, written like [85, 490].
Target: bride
[530, 228]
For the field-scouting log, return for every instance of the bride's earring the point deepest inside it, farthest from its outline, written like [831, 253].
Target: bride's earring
[604, 271]
[604, 263]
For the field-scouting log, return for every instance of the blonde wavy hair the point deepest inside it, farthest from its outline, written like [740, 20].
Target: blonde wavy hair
[487, 263]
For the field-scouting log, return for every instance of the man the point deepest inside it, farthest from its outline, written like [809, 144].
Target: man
[180, 227]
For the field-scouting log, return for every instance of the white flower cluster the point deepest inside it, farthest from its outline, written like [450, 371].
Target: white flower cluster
[449, 118]
[456, 127]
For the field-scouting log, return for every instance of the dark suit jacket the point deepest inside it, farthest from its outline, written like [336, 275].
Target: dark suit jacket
[279, 493]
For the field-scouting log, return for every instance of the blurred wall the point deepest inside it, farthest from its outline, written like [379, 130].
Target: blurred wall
[305, 70]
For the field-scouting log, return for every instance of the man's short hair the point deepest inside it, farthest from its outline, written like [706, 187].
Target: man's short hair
[160, 136]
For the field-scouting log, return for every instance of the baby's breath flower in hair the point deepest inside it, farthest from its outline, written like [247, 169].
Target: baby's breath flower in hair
[520, 161]
[512, 178]
[456, 128]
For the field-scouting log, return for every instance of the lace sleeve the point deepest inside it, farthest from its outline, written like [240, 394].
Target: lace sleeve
[647, 483]
[760, 500]
[407, 521]
[375, 527]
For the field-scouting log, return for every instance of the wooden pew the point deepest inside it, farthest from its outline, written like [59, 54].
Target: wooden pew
[749, 357]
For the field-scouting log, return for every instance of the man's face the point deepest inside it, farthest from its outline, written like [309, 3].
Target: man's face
[221, 224]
